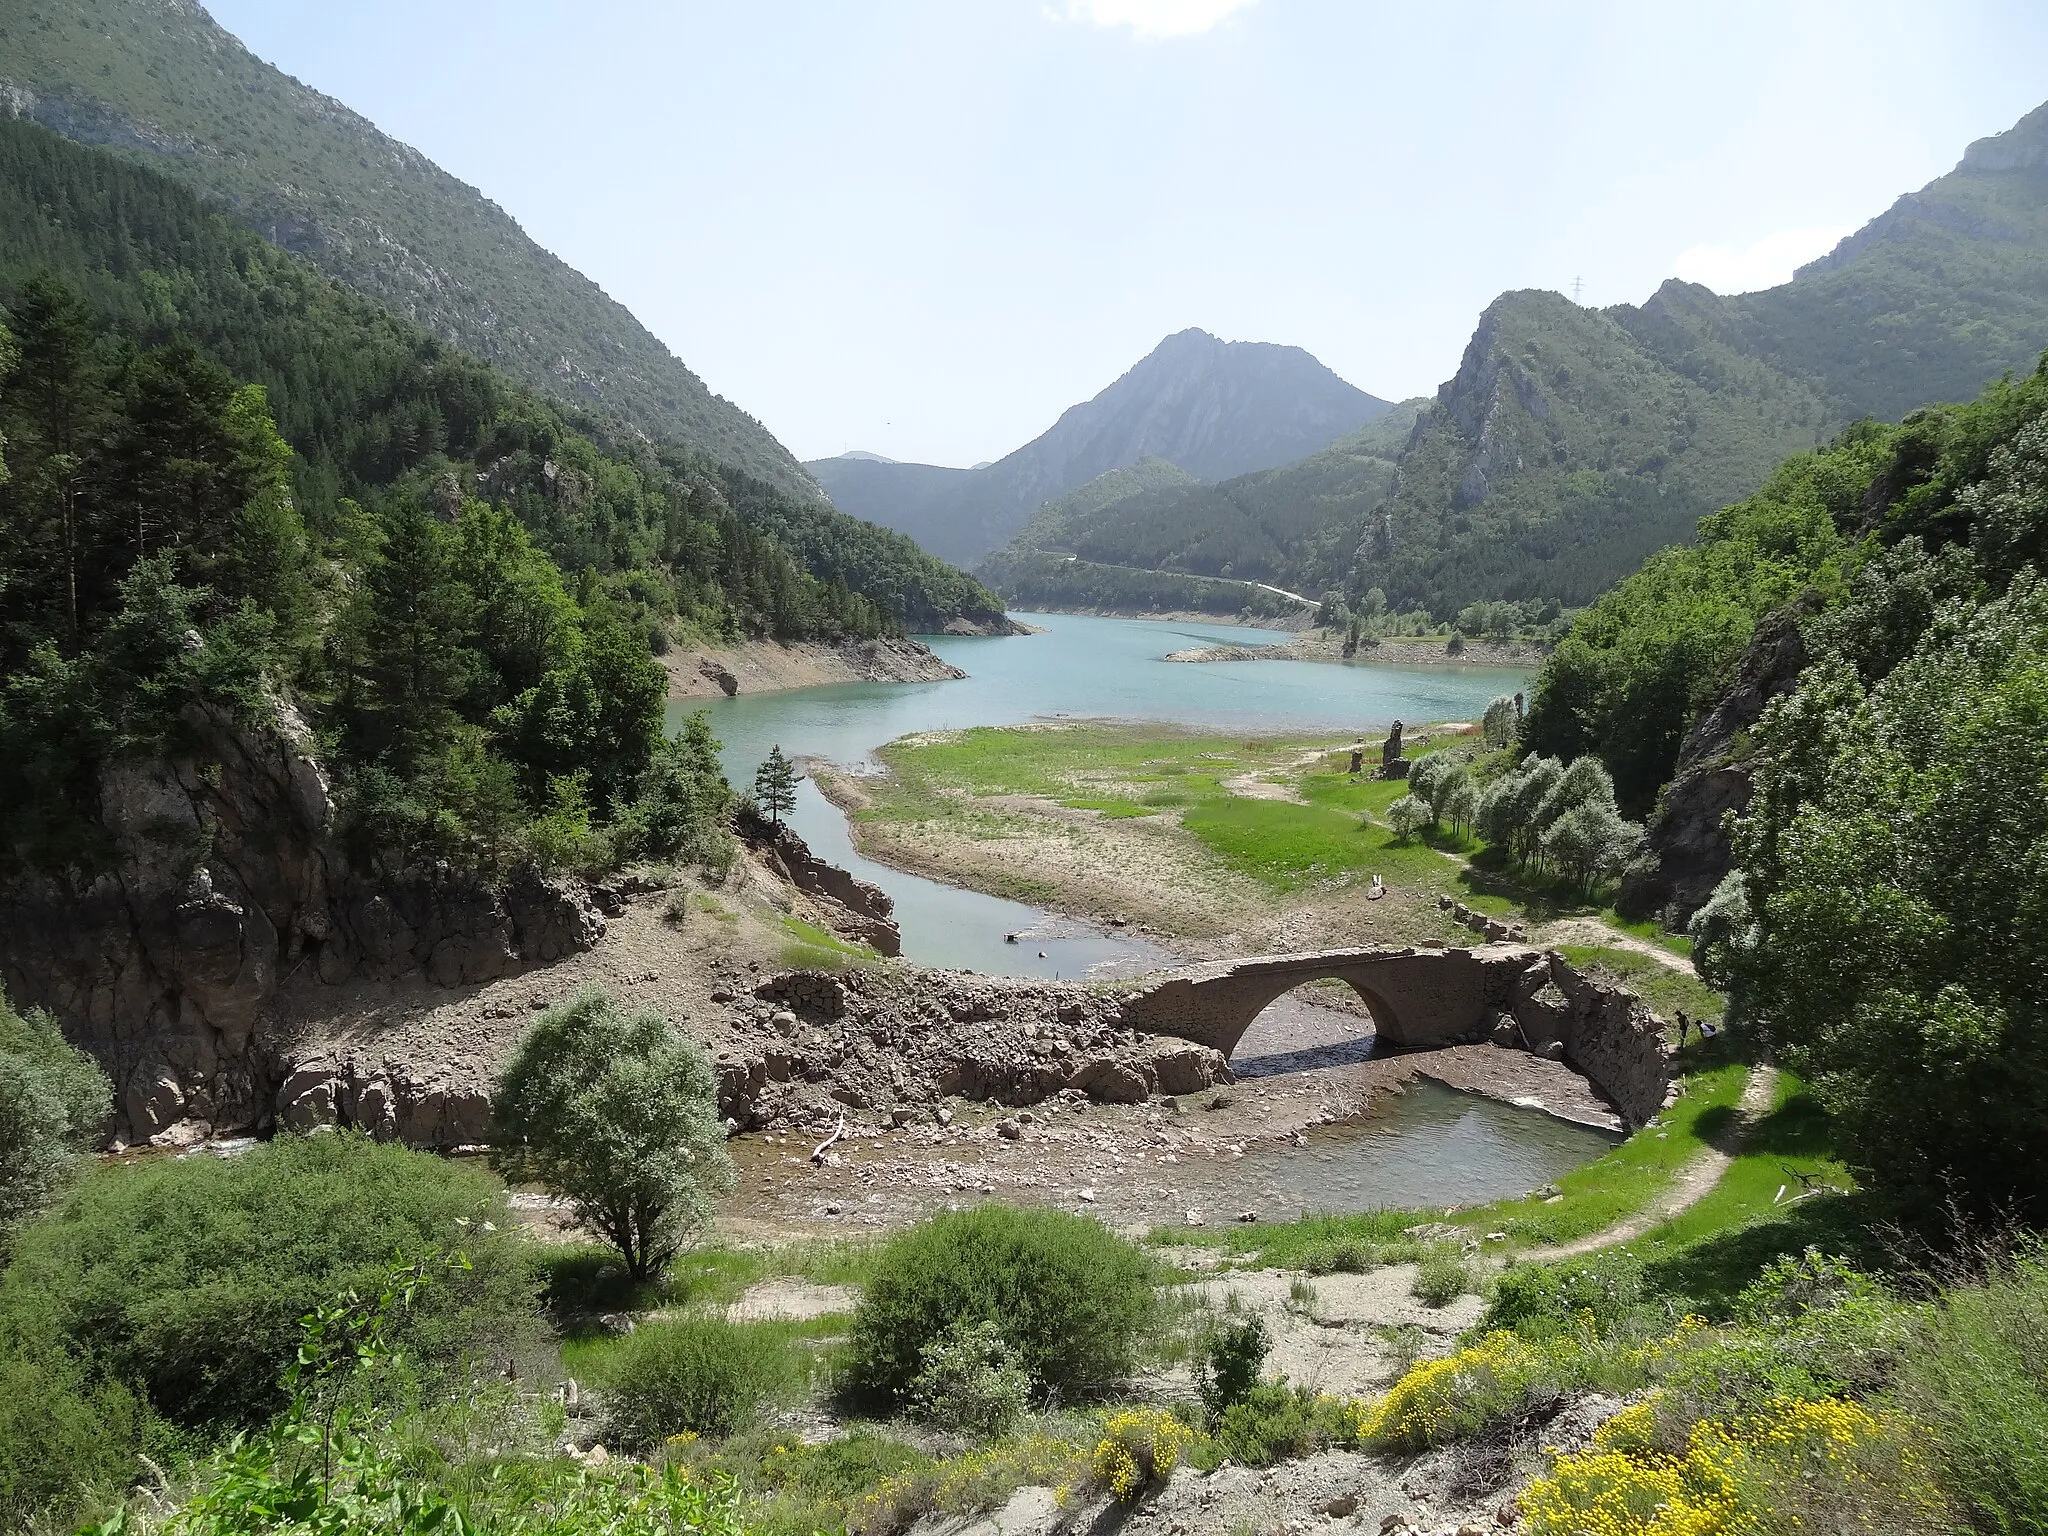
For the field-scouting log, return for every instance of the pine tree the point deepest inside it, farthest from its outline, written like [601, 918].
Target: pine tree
[411, 635]
[775, 785]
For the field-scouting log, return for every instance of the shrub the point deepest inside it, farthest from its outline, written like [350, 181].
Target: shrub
[1442, 1276]
[841, 1468]
[381, 1481]
[63, 1434]
[972, 1381]
[700, 1374]
[960, 1485]
[1339, 1256]
[1276, 1422]
[618, 1113]
[1071, 1297]
[188, 1277]
[1457, 1396]
[51, 1096]
[1541, 1301]
[1828, 1465]
[1971, 1374]
[1230, 1360]
[1138, 1447]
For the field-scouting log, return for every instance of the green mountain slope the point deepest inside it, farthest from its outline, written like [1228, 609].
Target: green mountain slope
[159, 80]
[1061, 524]
[1215, 409]
[373, 405]
[1282, 526]
[1573, 442]
[1567, 449]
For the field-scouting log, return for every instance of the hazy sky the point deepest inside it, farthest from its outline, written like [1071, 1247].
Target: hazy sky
[925, 227]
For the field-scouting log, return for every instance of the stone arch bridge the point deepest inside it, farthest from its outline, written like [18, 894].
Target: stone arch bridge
[1508, 995]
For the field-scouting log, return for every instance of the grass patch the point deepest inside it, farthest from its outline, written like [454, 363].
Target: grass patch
[1663, 988]
[1138, 771]
[811, 948]
[1362, 1241]
[1627, 1179]
[1111, 808]
[584, 1279]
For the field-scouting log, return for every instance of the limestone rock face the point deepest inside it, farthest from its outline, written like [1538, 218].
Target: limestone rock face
[227, 879]
[853, 908]
[1688, 836]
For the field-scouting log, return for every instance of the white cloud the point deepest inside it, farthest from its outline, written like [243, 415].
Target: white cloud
[1763, 263]
[1152, 18]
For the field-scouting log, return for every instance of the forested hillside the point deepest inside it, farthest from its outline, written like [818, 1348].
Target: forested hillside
[1282, 526]
[1855, 659]
[1864, 544]
[231, 476]
[159, 81]
[1573, 442]
[1212, 408]
[366, 399]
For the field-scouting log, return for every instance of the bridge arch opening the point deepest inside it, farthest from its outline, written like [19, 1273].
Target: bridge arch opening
[1310, 1022]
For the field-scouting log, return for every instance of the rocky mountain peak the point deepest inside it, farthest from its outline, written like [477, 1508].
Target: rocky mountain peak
[2022, 147]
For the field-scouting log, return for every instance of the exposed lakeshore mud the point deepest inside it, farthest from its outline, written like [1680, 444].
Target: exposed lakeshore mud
[768, 666]
[1324, 646]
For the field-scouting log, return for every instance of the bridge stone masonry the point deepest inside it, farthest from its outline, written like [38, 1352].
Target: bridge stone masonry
[1510, 995]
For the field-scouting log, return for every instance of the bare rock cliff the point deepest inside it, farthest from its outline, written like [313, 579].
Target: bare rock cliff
[227, 878]
[1688, 835]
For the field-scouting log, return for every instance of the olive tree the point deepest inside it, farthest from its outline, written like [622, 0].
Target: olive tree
[1590, 841]
[1498, 725]
[1408, 816]
[618, 1113]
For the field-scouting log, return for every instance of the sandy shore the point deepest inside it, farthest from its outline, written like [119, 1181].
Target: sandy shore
[1324, 646]
[767, 666]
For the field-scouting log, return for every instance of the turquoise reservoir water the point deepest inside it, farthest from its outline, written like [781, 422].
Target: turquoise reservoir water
[1080, 668]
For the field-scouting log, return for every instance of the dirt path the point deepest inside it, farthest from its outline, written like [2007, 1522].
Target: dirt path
[1688, 1188]
[1256, 786]
[1590, 930]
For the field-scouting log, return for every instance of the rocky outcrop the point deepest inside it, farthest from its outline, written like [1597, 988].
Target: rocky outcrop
[225, 880]
[1688, 836]
[854, 908]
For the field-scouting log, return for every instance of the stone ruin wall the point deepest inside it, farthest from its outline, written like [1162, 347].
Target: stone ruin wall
[890, 1045]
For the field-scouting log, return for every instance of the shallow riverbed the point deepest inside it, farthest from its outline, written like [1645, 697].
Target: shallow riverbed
[1331, 1140]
